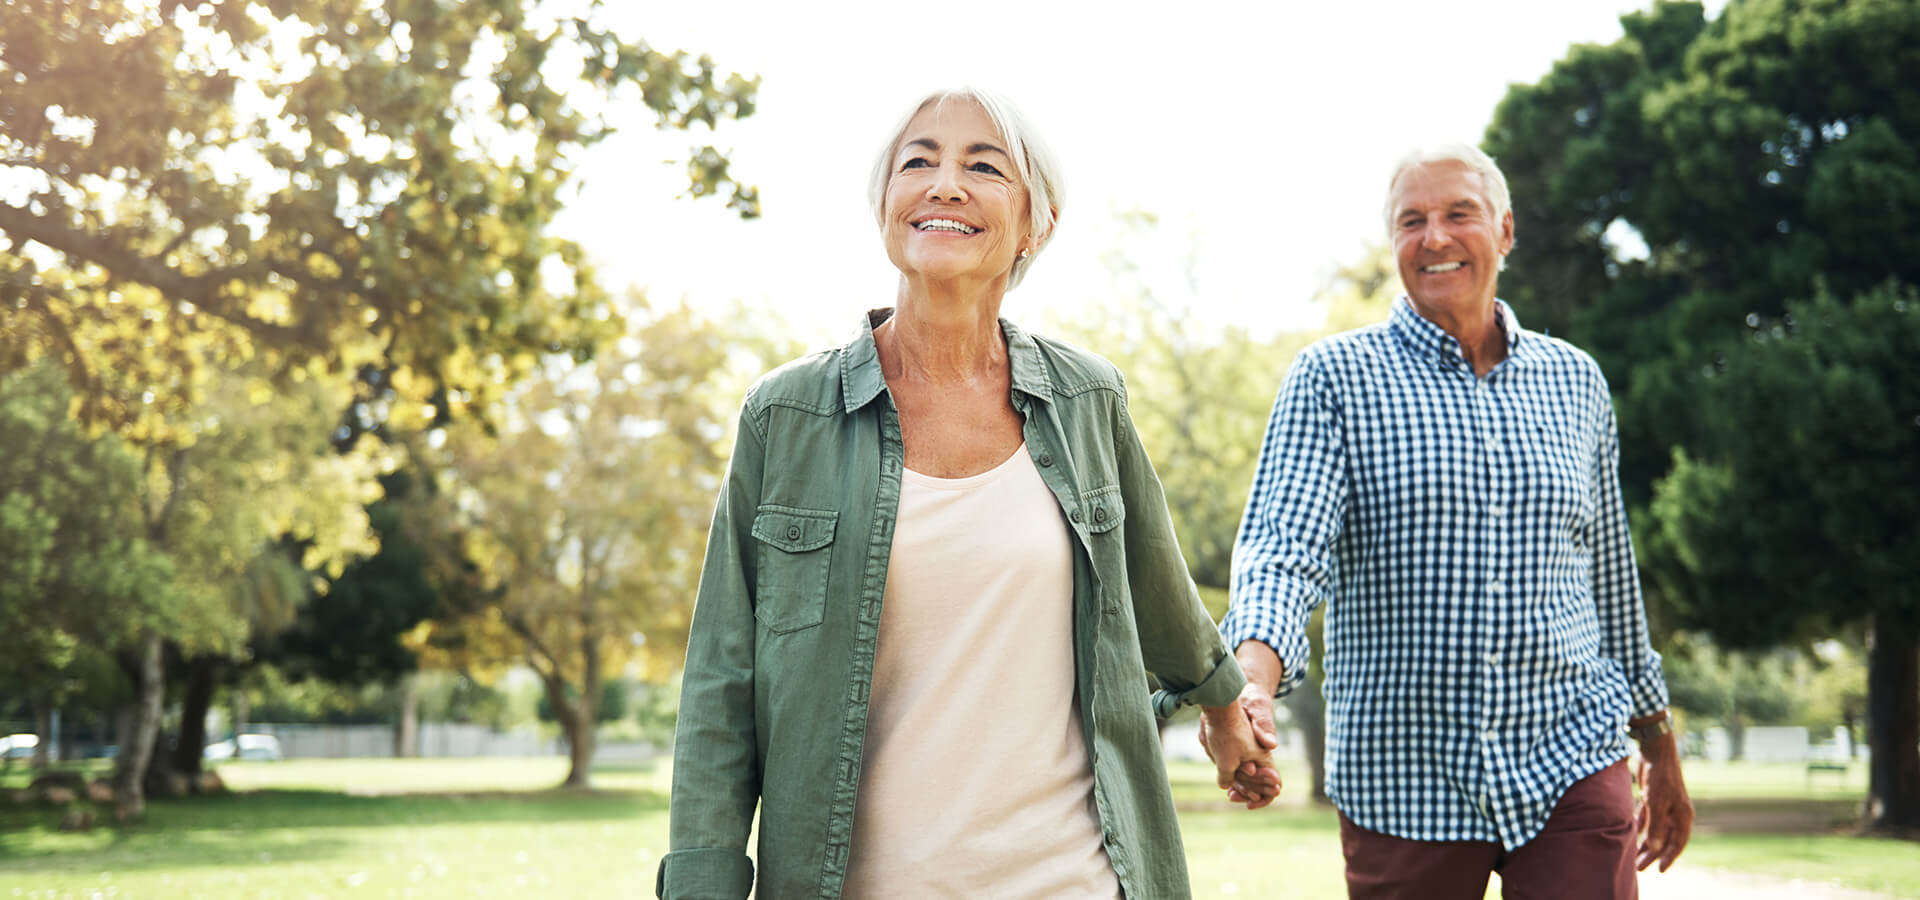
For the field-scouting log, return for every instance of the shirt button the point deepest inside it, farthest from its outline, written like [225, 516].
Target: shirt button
[1497, 510]
[1493, 659]
[793, 532]
[1046, 459]
[1075, 515]
[1496, 586]
[1487, 736]
[1100, 515]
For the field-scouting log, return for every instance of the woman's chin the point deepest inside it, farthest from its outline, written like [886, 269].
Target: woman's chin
[944, 270]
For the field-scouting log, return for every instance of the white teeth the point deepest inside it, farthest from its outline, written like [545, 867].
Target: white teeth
[946, 225]
[1441, 267]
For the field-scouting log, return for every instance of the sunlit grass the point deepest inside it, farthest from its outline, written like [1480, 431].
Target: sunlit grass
[496, 828]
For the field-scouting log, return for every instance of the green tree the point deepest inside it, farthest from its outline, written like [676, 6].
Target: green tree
[582, 516]
[315, 185]
[1677, 196]
[245, 496]
[1812, 436]
[76, 568]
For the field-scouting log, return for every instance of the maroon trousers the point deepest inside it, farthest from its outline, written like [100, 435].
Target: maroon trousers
[1584, 853]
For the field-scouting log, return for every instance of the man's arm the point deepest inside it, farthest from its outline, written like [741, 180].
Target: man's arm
[1666, 812]
[1282, 557]
[1665, 817]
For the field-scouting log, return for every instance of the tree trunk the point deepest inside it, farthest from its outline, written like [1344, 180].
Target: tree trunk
[1309, 708]
[43, 728]
[406, 734]
[1893, 727]
[575, 716]
[580, 748]
[193, 720]
[136, 749]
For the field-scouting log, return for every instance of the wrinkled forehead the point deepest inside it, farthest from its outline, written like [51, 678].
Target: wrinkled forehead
[937, 112]
[1446, 183]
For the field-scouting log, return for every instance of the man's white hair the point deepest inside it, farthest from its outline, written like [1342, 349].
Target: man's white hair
[1038, 169]
[1498, 202]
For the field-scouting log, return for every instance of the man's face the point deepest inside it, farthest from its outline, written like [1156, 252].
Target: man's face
[1445, 240]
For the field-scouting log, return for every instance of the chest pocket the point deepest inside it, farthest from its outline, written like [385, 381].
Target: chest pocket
[790, 581]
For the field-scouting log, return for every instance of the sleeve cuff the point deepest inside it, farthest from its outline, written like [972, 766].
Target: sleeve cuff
[1649, 688]
[1222, 685]
[1237, 629]
[704, 874]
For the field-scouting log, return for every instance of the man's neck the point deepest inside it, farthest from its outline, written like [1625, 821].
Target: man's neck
[1482, 336]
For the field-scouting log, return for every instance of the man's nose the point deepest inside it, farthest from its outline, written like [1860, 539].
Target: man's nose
[1435, 236]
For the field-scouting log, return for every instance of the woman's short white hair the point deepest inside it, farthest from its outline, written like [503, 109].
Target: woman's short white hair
[1465, 154]
[1038, 169]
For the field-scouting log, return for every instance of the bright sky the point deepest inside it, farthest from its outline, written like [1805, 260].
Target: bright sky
[1260, 134]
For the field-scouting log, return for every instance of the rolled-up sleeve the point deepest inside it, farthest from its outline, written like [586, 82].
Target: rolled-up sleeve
[1178, 642]
[1283, 555]
[1616, 579]
[716, 777]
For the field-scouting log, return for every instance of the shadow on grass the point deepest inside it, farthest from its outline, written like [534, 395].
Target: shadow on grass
[1772, 815]
[273, 826]
[290, 808]
[133, 851]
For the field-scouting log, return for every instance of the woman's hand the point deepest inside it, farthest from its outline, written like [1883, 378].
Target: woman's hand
[1240, 739]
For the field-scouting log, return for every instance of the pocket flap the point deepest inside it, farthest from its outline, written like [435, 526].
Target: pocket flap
[795, 530]
[1102, 509]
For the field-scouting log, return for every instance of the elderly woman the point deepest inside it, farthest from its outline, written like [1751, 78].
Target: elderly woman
[940, 570]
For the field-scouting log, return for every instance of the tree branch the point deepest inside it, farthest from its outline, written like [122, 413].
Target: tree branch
[200, 290]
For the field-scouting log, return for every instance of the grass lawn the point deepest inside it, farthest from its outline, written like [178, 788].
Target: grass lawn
[490, 828]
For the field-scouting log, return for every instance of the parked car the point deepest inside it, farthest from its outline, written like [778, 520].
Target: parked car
[249, 746]
[18, 746]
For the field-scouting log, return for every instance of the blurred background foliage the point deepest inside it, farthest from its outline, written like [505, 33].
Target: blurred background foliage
[310, 416]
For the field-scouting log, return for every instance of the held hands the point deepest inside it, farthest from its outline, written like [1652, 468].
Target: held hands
[1665, 818]
[1240, 739]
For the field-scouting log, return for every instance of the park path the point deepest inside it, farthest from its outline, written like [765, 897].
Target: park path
[1683, 883]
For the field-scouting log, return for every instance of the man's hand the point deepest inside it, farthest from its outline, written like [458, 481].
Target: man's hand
[1240, 738]
[1665, 818]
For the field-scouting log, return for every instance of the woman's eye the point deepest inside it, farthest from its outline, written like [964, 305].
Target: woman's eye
[985, 167]
[915, 163]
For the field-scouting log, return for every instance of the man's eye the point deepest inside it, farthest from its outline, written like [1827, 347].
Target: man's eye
[985, 167]
[915, 163]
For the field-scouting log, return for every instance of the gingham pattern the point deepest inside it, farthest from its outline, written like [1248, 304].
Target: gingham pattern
[1485, 637]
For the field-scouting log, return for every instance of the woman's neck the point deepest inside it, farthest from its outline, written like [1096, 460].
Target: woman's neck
[943, 333]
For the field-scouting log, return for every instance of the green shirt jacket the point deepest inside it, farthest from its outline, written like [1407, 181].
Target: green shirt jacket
[780, 661]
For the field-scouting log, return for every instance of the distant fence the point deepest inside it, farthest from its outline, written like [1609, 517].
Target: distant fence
[436, 739]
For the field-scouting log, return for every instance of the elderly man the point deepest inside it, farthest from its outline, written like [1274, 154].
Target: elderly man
[1447, 483]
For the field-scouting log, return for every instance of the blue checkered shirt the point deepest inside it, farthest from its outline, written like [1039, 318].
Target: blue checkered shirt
[1485, 637]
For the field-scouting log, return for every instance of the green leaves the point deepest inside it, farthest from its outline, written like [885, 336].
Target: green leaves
[370, 170]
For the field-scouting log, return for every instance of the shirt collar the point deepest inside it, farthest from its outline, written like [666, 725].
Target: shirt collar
[861, 379]
[1430, 341]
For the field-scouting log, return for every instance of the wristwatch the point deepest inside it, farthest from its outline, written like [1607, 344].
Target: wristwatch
[1651, 730]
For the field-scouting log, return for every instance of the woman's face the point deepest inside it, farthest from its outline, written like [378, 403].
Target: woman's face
[955, 207]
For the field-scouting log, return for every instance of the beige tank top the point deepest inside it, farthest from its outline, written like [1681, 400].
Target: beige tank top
[976, 782]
